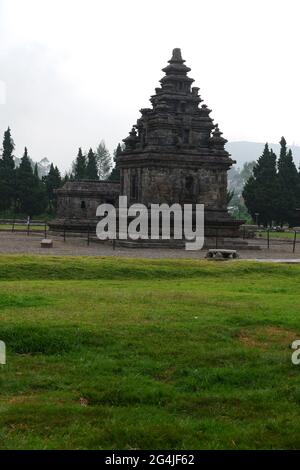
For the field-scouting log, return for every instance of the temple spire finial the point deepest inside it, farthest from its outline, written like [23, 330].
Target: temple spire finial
[176, 56]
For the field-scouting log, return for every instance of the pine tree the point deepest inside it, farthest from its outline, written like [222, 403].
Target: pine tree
[7, 173]
[7, 152]
[53, 181]
[39, 195]
[31, 192]
[36, 171]
[91, 167]
[260, 191]
[24, 184]
[115, 174]
[57, 176]
[103, 160]
[288, 186]
[80, 166]
[67, 177]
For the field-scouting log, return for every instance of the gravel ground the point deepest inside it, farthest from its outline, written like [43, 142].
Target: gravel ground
[21, 243]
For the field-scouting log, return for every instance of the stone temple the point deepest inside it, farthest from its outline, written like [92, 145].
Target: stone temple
[173, 154]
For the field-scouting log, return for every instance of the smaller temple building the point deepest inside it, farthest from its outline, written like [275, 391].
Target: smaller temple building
[77, 202]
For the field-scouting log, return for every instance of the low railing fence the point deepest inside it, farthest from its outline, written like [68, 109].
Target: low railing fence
[267, 238]
[21, 225]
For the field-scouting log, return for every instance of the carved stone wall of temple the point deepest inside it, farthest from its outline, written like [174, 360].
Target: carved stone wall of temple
[203, 185]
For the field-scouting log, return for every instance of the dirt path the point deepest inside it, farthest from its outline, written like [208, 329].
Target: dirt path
[23, 244]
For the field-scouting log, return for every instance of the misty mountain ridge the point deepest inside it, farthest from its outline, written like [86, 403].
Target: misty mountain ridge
[243, 151]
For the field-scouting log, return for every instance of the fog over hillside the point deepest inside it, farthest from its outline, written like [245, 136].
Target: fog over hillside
[43, 165]
[248, 151]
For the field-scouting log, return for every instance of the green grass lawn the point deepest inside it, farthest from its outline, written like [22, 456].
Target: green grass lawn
[148, 354]
[276, 235]
[22, 227]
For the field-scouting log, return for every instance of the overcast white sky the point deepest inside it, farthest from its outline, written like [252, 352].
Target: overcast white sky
[78, 71]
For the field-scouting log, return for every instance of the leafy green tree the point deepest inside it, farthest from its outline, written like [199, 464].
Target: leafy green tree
[288, 186]
[80, 166]
[247, 170]
[91, 167]
[261, 189]
[7, 173]
[103, 160]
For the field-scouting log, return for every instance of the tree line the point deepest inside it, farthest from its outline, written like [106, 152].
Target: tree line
[23, 192]
[96, 165]
[272, 193]
[21, 189]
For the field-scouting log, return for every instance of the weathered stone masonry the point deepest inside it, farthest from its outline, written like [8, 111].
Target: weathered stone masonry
[77, 203]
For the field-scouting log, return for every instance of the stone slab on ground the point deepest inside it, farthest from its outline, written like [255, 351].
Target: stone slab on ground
[215, 253]
[47, 243]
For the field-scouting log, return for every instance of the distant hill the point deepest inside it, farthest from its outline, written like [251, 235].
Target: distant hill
[247, 151]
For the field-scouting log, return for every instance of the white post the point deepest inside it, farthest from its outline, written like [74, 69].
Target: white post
[2, 353]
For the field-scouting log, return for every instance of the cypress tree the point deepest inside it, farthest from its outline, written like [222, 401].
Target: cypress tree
[31, 191]
[7, 151]
[57, 176]
[53, 181]
[80, 166]
[288, 186]
[36, 171]
[66, 178]
[115, 174]
[39, 194]
[7, 173]
[260, 191]
[91, 167]
[24, 184]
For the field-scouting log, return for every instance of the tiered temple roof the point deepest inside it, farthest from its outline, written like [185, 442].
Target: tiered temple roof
[176, 122]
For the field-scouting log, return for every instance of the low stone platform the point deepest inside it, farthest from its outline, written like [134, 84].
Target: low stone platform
[47, 243]
[219, 253]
